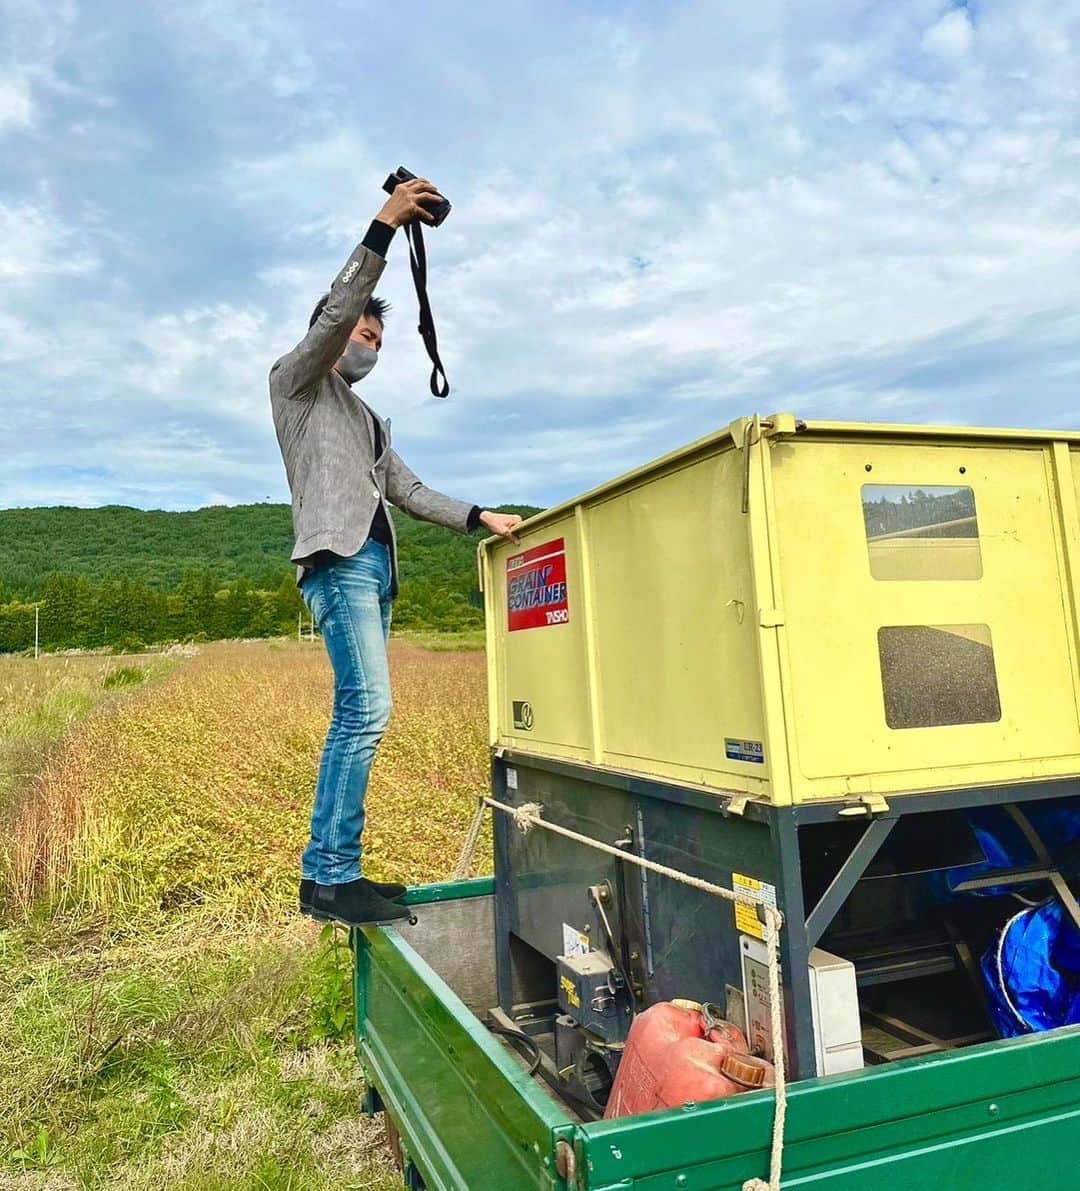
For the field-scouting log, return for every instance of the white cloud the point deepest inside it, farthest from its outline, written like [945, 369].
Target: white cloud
[36, 244]
[264, 185]
[951, 36]
[15, 105]
[180, 351]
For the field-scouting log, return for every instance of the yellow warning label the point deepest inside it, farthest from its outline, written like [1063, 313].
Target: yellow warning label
[572, 998]
[746, 918]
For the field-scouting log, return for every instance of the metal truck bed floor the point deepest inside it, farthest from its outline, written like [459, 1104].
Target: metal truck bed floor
[454, 937]
[1000, 1115]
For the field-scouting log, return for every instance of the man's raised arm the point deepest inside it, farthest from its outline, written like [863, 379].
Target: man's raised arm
[320, 349]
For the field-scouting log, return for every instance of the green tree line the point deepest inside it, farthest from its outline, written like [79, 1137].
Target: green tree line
[918, 509]
[125, 577]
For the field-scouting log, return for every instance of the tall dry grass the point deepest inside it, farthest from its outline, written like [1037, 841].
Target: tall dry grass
[197, 791]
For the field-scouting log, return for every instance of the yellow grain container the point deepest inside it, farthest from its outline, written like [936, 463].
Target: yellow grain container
[802, 612]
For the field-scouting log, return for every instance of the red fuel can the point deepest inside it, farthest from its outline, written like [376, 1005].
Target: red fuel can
[680, 1052]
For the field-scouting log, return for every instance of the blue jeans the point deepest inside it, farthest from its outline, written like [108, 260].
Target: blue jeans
[349, 599]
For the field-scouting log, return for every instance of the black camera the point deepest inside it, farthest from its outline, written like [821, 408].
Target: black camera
[439, 210]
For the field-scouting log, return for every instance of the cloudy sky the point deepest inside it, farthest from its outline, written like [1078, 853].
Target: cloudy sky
[665, 216]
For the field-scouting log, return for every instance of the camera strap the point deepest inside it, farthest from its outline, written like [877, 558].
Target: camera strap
[440, 386]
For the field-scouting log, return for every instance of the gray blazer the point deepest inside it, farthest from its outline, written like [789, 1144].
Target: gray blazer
[327, 439]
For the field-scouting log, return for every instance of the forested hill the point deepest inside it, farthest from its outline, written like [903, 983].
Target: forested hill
[150, 547]
[109, 573]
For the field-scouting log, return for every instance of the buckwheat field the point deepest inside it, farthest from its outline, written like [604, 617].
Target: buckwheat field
[168, 1020]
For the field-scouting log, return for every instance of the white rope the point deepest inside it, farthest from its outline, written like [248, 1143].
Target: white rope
[529, 815]
[465, 857]
[776, 1026]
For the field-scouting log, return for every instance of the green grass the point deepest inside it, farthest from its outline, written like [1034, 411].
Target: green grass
[162, 1059]
[123, 676]
[463, 641]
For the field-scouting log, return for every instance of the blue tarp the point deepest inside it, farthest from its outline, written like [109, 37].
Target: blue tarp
[1004, 846]
[1032, 972]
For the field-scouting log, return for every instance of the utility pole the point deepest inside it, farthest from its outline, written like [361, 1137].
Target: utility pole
[37, 630]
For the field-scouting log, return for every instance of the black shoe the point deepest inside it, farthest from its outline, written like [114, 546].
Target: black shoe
[356, 904]
[391, 890]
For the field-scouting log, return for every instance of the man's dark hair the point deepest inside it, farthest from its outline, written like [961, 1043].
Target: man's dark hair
[376, 308]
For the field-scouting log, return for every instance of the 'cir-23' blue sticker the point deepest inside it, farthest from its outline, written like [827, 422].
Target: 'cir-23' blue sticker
[745, 750]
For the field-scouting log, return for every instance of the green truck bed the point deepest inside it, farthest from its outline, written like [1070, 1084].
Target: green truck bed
[470, 1118]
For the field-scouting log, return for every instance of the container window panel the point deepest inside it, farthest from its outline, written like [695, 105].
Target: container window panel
[915, 531]
[934, 675]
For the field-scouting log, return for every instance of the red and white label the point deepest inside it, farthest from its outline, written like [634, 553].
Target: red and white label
[536, 587]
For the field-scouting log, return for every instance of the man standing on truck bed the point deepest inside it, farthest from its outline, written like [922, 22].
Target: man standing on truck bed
[341, 471]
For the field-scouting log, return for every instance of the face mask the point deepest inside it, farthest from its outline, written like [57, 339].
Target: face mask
[356, 362]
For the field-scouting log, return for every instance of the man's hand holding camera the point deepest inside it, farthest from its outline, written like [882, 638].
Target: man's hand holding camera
[407, 203]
